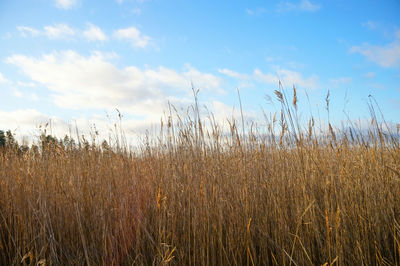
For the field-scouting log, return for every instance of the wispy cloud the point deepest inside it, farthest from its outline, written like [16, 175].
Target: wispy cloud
[25, 31]
[59, 31]
[64, 31]
[6, 36]
[14, 87]
[336, 82]
[137, 1]
[94, 33]
[286, 76]
[397, 34]
[342, 80]
[65, 4]
[385, 55]
[376, 85]
[370, 75]
[255, 11]
[26, 84]
[3, 79]
[136, 11]
[17, 92]
[245, 80]
[134, 36]
[371, 25]
[90, 33]
[233, 74]
[303, 5]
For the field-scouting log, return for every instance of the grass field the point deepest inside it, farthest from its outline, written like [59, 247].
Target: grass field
[197, 195]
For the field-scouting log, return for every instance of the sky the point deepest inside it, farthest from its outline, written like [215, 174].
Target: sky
[74, 63]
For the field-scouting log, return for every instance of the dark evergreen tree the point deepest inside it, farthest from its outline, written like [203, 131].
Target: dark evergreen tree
[2, 139]
[10, 141]
[68, 142]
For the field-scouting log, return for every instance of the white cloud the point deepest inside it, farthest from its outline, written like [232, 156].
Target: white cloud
[223, 112]
[80, 82]
[134, 36]
[385, 56]
[65, 4]
[370, 75]
[306, 5]
[3, 79]
[17, 92]
[202, 80]
[31, 116]
[24, 93]
[26, 84]
[59, 31]
[28, 124]
[245, 80]
[25, 121]
[288, 78]
[34, 96]
[64, 31]
[24, 31]
[303, 5]
[94, 33]
[233, 74]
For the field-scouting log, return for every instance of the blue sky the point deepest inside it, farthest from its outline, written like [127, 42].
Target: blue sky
[74, 61]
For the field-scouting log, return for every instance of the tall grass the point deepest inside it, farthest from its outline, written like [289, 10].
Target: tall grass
[197, 195]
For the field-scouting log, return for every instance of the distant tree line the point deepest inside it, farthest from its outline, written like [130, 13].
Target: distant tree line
[8, 141]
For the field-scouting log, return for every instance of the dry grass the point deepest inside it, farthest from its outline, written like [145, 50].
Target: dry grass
[196, 196]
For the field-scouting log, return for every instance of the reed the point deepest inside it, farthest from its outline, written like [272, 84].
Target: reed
[197, 195]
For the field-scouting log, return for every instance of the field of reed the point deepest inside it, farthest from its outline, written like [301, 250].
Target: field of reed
[292, 194]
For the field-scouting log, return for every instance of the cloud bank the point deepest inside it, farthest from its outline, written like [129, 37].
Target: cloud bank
[81, 82]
